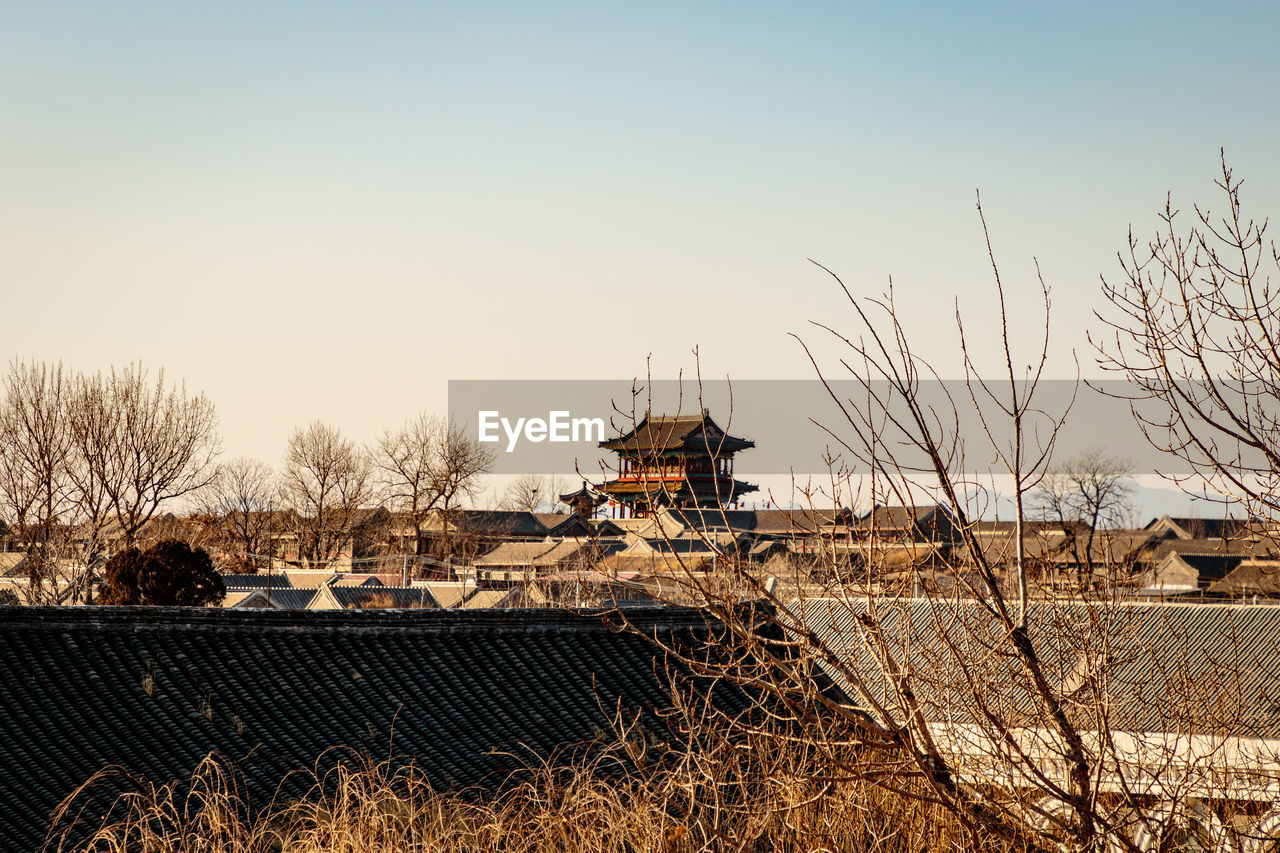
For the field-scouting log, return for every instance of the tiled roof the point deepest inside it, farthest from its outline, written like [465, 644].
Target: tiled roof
[154, 690]
[1250, 577]
[516, 553]
[1199, 528]
[1210, 568]
[691, 433]
[1171, 666]
[359, 580]
[278, 580]
[310, 578]
[448, 593]
[1161, 549]
[13, 564]
[543, 554]
[799, 521]
[488, 598]
[653, 562]
[369, 517]
[715, 518]
[372, 597]
[285, 598]
[487, 522]
[607, 527]
[899, 516]
[574, 525]
[681, 545]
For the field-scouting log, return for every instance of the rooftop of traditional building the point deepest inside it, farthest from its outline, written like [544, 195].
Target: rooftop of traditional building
[464, 696]
[697, 434]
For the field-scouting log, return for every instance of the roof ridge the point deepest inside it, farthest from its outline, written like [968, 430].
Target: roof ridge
[523, 619]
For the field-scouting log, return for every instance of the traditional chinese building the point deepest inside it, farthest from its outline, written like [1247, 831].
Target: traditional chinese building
[584, 501]
[684, 462]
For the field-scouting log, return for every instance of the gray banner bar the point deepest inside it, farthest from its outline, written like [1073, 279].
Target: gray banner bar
[554, 427]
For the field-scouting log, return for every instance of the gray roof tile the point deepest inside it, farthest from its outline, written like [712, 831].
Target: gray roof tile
[446, 690]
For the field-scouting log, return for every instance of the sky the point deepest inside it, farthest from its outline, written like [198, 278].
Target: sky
[327, 210]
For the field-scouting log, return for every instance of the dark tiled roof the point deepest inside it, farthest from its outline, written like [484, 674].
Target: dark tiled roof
[154, 690]
[607, 527]
[242, 582]
[690, 433]
[543, 554]
[285, 598]
[1211, 567]
[1159, 549]
[1250, 577]
[1199, 528]
[585, 495]
[572, 524]
[369, 517]
[489, 522]
[393, 597]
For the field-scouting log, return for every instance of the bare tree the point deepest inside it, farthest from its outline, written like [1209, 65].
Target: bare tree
[957, 679]
[407, 460]
[428, 464]
[462, 461]
[326, 480]
[93, 429]
[532, 492]
[525, 493]
[143, 444]
[242, 500]
[879, 423]
[1194, 326]
[35, 487]
[1094, 492]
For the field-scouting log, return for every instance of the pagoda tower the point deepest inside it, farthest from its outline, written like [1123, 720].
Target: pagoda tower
[584, 501]
[685, 462]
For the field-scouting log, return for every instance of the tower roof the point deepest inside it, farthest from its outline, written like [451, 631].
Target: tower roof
[666, 433]
[584, 495]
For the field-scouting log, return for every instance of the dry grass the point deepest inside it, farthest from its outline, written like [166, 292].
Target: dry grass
[725, 799]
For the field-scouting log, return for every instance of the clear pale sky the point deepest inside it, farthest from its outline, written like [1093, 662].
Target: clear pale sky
[325, 210]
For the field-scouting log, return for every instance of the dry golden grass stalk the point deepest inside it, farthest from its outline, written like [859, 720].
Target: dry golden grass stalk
[765, 794]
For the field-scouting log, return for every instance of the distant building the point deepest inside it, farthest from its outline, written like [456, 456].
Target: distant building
[684, 462]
